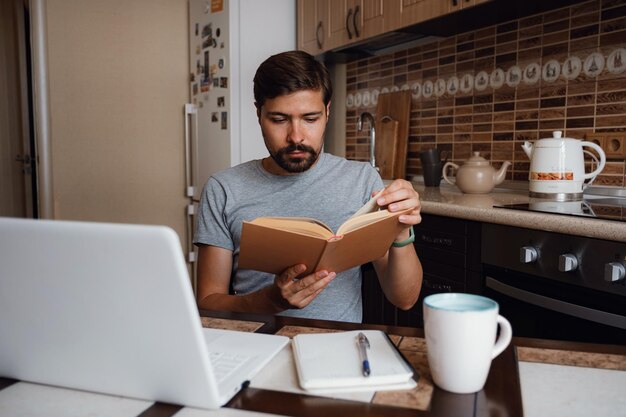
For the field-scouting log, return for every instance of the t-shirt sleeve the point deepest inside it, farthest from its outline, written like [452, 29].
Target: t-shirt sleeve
[211, 225]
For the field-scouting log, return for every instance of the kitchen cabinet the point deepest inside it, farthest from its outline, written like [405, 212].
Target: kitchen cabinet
[449, 250]
[325, 25]
[403, 13]
[313, 17]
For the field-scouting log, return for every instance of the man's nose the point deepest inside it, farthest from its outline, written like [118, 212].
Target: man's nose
[296, 132]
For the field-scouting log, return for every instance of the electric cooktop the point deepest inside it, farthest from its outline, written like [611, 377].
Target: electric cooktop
[592, 206]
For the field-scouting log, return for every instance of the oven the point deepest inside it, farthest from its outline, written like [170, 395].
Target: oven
[556, 286]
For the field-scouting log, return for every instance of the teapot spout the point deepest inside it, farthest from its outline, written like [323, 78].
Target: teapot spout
[528, 149]
[500, 175]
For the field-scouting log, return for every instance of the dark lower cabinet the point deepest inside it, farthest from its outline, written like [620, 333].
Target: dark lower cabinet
[449, 249]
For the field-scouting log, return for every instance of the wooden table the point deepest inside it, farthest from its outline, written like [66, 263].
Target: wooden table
[501, 395]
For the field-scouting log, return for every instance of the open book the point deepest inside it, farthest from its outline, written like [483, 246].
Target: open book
[330, 362]
[273, 244]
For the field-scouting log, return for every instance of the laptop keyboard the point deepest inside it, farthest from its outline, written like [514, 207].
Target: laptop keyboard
[225, 364]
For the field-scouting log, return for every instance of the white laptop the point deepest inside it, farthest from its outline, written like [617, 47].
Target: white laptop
[109, 308]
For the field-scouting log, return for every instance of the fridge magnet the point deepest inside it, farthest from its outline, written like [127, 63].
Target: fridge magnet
[224, 120]
[350, 101]
[440, 87]
[221, 45]
[220, 63]
[375, 94]
[496, 79]
[214, 117]
[481, 81]
[207, 30]
[224, 82]
[416, 90]
[213, 42]
[367, 98]
[616, 62]
[206, 43]
[192, 77]
[198, 49]
[467, 83]
[194, 89]
[572, 67]
[198, 67]
[513, 76]
[204, 86]
[197, 29]
[221, 101]
[453, 85]
[217, 6]
[207, 7]
[216, 82]
[217, 32]
[427, 89]
[594, 64]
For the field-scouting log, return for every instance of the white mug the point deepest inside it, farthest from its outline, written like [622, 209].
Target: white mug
[461, 339]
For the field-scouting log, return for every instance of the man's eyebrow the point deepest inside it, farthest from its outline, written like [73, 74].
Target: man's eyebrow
[277, 113]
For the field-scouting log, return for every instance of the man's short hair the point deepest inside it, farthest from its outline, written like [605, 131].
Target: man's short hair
[289, 72]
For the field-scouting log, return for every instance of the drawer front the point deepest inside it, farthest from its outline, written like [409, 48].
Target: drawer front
[440, 240]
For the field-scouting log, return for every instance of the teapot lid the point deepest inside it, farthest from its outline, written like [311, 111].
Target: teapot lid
[476, 159]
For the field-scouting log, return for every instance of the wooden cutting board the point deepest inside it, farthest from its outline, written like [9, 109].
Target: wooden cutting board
[386, 147]
[397, 106]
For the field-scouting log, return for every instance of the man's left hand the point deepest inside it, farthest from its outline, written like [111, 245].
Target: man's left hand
[399, 196]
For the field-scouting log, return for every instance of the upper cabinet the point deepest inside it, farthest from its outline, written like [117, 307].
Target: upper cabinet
[313, 25]
[329, 24]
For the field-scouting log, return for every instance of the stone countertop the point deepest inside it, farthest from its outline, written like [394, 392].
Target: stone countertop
[447, 200]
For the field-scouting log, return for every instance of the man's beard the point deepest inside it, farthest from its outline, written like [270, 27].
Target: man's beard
[295, 165]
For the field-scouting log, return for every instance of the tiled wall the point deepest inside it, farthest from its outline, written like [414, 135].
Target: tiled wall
[493, 119]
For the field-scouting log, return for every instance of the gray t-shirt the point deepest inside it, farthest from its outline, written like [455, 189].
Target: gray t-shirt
[330, 191]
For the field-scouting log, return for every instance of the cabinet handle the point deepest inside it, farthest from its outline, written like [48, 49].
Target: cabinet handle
[348, 16]
[455, 3]
[357, 11]
[320, 43]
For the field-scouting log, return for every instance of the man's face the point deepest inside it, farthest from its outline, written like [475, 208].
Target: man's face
[293, 129]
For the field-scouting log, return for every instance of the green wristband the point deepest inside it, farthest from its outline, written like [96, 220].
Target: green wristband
[411, 239]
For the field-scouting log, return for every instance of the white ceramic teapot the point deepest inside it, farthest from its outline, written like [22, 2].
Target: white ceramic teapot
[557, 167]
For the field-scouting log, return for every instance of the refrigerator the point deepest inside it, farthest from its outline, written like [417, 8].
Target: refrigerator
[228, 39]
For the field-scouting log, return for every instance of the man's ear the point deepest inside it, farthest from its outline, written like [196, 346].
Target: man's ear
[258, 111]
[328, 111]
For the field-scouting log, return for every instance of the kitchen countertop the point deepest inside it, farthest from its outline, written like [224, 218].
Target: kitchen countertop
[447, 200]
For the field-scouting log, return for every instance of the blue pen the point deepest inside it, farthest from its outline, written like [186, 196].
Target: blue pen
[363, 345]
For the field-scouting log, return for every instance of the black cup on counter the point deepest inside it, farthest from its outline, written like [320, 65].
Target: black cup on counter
[432, 166]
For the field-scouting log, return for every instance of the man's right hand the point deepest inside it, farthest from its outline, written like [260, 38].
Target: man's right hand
[289, 292]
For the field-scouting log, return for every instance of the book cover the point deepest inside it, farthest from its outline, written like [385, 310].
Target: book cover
[273, 244]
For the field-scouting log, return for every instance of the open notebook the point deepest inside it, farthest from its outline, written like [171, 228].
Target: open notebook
[109, 308]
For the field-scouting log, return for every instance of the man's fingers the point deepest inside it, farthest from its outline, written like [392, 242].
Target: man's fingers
[291, 273]
[306, 293]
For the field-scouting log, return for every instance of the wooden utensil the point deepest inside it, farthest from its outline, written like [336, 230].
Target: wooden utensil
[386, 147]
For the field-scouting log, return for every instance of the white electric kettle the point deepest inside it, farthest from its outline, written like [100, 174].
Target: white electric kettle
[557, 167]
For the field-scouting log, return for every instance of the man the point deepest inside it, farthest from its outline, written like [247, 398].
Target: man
[292, 95]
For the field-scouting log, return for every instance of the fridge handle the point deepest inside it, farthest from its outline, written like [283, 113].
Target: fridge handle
[191, 112]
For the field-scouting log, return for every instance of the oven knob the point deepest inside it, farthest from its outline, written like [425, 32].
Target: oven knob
[527, 255]
[568, 262]
[614, 272]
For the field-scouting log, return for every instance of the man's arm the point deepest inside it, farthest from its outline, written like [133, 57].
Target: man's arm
[214, 269]
[400, 270]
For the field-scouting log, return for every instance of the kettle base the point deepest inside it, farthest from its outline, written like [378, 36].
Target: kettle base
[557, 196]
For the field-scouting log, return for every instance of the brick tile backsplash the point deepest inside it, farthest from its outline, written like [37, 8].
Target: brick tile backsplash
[498, 119]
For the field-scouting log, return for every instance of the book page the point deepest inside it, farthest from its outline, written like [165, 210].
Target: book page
[369, 207]
[303, 225]
[354, 223]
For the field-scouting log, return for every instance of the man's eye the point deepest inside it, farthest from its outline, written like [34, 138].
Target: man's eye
[278, 120]
[311, 119]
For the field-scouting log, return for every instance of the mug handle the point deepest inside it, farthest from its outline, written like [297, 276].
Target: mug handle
[445, 169]
[506, 333]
